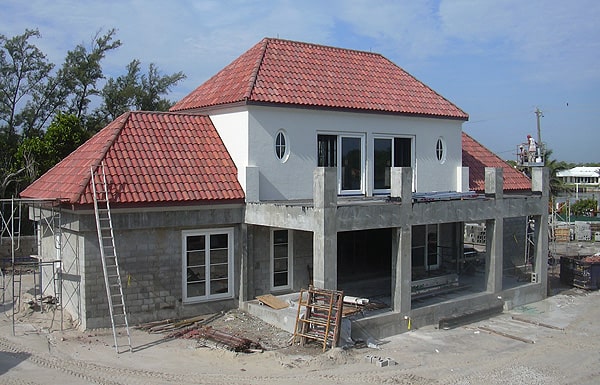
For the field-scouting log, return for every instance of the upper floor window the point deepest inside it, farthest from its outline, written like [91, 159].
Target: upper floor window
[346, 151]
[281, 147]
[388, 153]
[440, 150]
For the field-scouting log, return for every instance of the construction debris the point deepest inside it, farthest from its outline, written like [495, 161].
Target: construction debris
[272, 302]
[230, 341]
[169, 324]
[196, 328]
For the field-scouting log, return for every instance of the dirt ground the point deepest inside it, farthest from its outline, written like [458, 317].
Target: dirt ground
[555, 341]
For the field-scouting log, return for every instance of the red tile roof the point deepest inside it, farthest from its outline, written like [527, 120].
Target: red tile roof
[150, 158]
[477, 158]
[294, 73]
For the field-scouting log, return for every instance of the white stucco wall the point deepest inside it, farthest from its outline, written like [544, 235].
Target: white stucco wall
[232, 126]
[293, 179]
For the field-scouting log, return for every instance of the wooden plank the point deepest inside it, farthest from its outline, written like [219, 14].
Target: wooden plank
[272, 301]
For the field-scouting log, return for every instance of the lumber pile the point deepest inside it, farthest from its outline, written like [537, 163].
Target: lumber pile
[195, 328]
[229, 341]
[169, 325]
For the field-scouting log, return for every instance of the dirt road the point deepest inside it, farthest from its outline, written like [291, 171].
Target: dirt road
[555, 341]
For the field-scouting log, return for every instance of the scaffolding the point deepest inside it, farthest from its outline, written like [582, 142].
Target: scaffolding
[46, 215]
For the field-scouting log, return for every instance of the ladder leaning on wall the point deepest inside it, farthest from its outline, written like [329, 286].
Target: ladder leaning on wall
[108, 254]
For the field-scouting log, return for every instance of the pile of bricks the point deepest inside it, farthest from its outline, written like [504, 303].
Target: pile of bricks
[380, 361]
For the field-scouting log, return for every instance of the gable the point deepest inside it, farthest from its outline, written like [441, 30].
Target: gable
[283, 72]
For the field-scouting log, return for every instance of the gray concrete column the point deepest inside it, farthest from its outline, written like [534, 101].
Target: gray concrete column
[401, 269]
[242, 242]
[252, 184]
[401, 182]
[325, 228]
[540, 183]
[494, 234]
[494, 182]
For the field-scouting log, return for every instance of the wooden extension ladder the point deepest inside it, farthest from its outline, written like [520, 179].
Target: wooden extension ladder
[322, 317]
[108, 254]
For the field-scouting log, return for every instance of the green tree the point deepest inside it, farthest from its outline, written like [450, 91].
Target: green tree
[82, 70]
[584, 207]
[62, 137]
[136, 91]
[24, 80]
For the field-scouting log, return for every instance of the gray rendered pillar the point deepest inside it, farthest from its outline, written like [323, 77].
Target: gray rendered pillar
[494, 188]
[540, 183]
[325, 228]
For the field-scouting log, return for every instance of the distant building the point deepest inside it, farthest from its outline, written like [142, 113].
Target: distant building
[583, 178]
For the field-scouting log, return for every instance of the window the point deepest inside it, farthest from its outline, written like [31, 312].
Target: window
[351, 163]
[281, 259]
[281, 148]
[326, 150]
[350, 157]
[207, 265]
[384, 150]
[440, 150]
[425, 247]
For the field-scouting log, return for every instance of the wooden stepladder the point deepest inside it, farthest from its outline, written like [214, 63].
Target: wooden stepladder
[322, 318]
[108, 254]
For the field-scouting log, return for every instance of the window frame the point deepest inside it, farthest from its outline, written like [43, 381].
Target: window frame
[339, 155]
[283, 157]
[290, 261]
[207, 233]
[393, 158]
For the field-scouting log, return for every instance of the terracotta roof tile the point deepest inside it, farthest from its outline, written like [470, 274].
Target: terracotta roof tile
[146, 154]
[288, 72]
[477, 158]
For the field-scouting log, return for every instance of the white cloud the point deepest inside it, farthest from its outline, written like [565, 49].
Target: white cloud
[552, 37]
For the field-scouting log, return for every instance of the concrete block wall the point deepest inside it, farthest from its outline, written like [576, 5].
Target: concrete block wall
[259, 255]
[24, 247]
[259, 264]
[303, 259]
[149, 245]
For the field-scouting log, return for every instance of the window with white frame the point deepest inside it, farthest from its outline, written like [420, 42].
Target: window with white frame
[389, 152]
[207, 264]
[348, 152]
[281, 146]
[281, 259]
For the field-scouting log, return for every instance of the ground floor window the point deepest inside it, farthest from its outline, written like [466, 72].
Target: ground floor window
[207, 264]
[281, 259]
[425, 250]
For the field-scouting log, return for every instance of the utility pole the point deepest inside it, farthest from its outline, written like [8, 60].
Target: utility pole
[539, 114]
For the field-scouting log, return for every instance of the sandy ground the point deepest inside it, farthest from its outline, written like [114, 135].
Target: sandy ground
[555, 341]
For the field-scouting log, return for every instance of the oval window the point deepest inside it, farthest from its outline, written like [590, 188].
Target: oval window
[440, 150]
[281, 148]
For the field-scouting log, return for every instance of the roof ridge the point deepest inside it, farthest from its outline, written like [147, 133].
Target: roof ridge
[325, 46]
[256, 69]
[95, 164]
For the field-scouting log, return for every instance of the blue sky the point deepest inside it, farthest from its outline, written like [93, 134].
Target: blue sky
[498, 60]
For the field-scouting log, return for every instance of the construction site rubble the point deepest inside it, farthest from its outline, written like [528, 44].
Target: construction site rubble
[234, 330]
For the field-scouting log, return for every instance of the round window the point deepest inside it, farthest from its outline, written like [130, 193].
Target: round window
[440, 150]
[281, 147]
